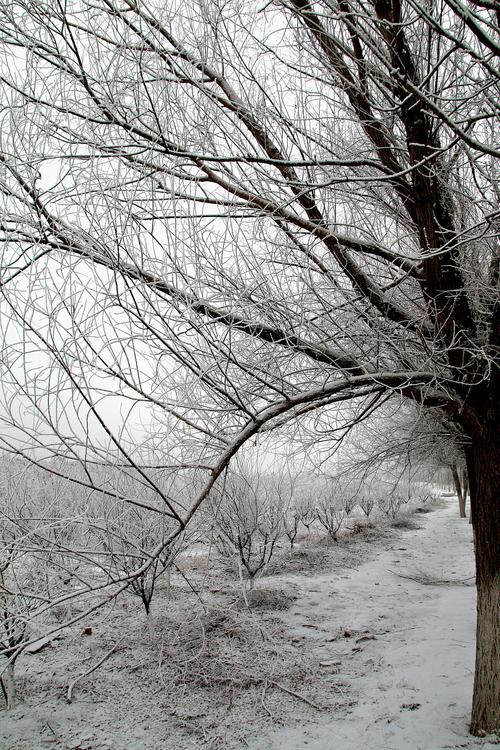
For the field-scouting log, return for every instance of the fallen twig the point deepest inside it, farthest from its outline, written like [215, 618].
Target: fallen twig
[296, 695]
[92, 669]
[263, 701]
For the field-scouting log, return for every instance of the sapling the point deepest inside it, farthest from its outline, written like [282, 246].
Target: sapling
[249, 521]
[22, 581]
[390, 504]
[12, 627]
[330, 510]
[331, 517]
[349, 503]
[307, 513]
[291, 523]
[367, 503]
[129, 535]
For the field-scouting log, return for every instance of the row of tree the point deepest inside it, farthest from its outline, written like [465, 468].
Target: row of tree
[63, 550]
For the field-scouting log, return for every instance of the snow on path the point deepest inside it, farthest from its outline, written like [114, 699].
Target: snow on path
[411, 685]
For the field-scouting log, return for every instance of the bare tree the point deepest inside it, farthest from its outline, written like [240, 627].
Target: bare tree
[292, 518]
[289, 497]
[390, 503]
[407, 442]
[461, 482]
[349, 502]
[15, 607]
[366, 503]
[331, 517]
[330, 510]
[236, 216]
[248, 515]
[38, 564]
[128, 536]
[304, 499]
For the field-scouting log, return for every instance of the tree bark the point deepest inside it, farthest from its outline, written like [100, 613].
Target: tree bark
[483, 464]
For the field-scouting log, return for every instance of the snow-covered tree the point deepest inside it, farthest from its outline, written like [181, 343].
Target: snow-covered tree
[231, 216]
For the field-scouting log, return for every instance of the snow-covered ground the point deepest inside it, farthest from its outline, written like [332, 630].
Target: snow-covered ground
[413, 679]
[385, 648]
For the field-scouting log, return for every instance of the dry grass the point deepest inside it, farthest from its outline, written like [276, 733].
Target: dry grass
[405, 524]
[276, 599]
[427, 579]
[233, 669]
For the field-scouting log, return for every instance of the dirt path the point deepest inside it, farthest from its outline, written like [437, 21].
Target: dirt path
[402, 648]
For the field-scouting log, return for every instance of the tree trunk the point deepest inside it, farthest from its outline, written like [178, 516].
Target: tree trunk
[9, 685]
[151, 627]
[168, 576]
[459, 490]
[483, 463]
[465, 484]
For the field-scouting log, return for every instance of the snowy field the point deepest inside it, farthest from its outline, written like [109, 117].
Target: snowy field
[363, 644]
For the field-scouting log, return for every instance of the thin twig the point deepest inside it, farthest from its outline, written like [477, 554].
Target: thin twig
[263, 702]
[92, 669]
[296, 695]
